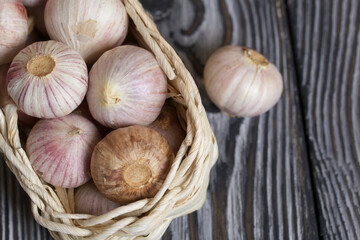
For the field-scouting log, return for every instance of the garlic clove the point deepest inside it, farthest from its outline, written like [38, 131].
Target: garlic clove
[242, 82]
[88, 200]
[60, 150]
[13, 28]
[47, 80]
[126, 87]
[131, 163]
[168, 125]
[89, 26]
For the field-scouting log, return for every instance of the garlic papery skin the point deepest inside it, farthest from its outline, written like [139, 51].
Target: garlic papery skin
[168, 125]
[47, 79]
[131, 163]
[13, 29]
[242, 82]
[126, 87]
[89, 26]
[88, 200]
[60, 150]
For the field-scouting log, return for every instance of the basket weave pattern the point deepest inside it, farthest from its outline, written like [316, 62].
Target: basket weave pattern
[184, 189]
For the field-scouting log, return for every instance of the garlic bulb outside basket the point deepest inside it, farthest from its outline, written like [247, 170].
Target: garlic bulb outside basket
[241, 81]
[89, 26]
[13, 29]
[47, 79]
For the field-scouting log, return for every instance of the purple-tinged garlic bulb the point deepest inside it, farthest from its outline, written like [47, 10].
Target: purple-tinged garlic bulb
[89, 200]
[24, 120]
[242, 82]
[13, 29]
[60, 150]
[131, 163]
[126, 87]
[89, 26]
[47, 79]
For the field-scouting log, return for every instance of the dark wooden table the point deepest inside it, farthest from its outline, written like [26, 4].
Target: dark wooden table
[292, 173]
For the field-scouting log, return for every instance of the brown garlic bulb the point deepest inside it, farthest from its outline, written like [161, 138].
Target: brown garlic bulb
[168, 125]
[131, 163]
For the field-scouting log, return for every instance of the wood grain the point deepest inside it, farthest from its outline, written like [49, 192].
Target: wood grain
[260, 187]
[326, 36]
[16, 218]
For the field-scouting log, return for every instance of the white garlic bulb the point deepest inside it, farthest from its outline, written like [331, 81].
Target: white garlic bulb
[89, 26]
[13, 29]
[60, 149]
[126, 87]
[241, 81]
[89, 200]
[47, 79]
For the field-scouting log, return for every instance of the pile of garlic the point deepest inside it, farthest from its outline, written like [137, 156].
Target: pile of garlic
[95, 108]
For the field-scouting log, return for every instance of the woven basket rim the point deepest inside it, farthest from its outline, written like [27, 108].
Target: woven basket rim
[188, 178]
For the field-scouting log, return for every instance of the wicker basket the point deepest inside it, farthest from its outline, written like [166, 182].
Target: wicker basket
[184, 190]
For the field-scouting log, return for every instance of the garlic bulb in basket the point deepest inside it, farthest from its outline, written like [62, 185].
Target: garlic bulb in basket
[89, 26]
[89, 200]
[168, 125]
[13, 29]
[60, 149]
[131, 163]
[126, 87]
[47, 79]
[241, 81]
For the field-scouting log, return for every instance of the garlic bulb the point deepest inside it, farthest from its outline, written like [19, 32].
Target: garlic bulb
[89, 200]
[131, 163]
[168, 125]
[24, 120]
[89, 26]
[126, 87]
[47, 79]
[13, 29]
[60, 149]
[241, 81]
[33, 3]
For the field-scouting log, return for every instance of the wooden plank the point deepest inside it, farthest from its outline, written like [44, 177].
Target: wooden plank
[260, 187]
[327, 49]
[16, 217]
